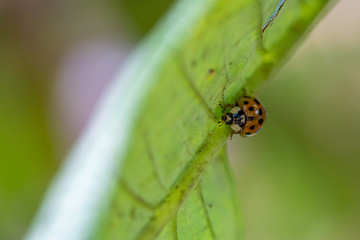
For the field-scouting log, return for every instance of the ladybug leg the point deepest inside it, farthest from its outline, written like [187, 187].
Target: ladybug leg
[226, 106]
[231, 134]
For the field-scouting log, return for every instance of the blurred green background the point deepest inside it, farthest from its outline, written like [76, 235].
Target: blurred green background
[298, 179]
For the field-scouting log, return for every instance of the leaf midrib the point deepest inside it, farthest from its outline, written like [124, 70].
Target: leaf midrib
[167, 208]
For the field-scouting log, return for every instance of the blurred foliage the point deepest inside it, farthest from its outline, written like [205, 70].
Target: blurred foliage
[144, 14]
[25, 149]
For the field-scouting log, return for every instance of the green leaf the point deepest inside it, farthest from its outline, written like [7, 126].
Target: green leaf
[145, 168]
[213, 199]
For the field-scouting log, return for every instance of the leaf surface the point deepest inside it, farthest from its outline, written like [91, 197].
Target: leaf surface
[155, 133]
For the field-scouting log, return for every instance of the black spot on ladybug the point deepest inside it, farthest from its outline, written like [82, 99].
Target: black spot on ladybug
[252, 127]
[257, 102]
[248, 133]
[251, 109]
[261, 121]
[246, 102]
[260, 112]
[250, 118]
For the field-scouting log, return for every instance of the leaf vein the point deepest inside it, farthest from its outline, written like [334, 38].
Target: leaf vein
[191, 83]
[151, 155]
[136, 197]
[206, 212]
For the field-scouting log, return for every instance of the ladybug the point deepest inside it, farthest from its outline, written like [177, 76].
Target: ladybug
[246, 117]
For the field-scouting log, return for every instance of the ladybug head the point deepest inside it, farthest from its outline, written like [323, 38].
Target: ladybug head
[228, 118]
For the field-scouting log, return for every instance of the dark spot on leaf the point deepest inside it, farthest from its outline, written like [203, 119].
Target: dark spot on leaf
[211, 71]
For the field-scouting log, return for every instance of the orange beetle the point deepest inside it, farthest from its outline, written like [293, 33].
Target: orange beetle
[246, 117]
